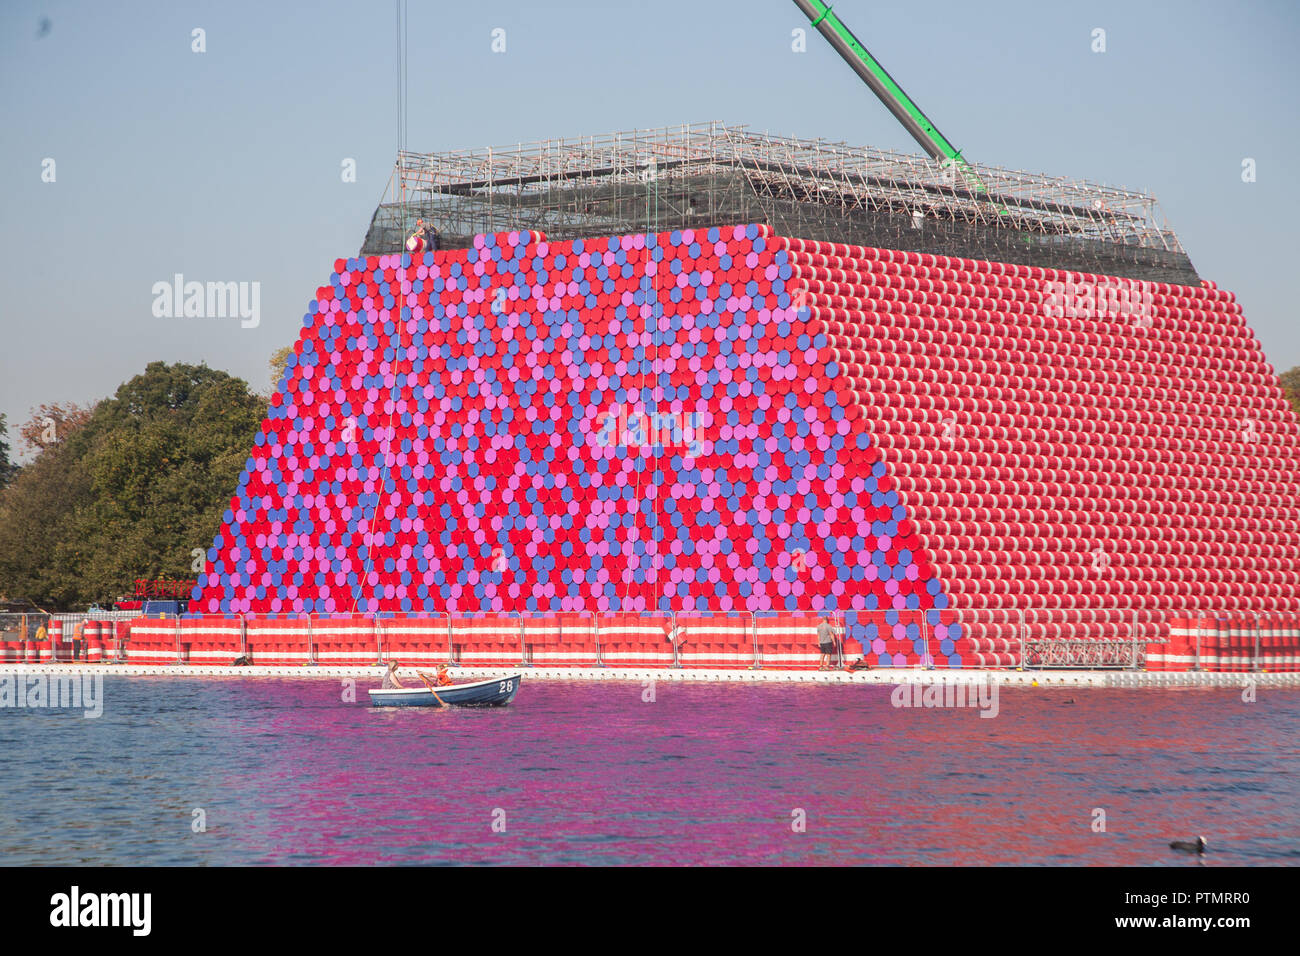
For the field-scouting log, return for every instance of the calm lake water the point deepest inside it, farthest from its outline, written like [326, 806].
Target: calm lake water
[286, 772]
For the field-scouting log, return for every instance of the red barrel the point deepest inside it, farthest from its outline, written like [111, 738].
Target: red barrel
[1268, 644]
[93, 648]
[1242, 640]
[1205, 644]
[1289, 646]
[1207, 640]
[113, 637]
[1179, 656]
[1227, 646]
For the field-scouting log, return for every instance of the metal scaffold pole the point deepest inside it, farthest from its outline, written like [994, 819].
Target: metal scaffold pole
[715, 175]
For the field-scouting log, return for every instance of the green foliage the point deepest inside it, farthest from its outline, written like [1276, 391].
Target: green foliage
[1291, 386]
[132, 492]
[7, 468]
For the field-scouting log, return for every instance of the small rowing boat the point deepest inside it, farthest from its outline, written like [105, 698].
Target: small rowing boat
[496, 692]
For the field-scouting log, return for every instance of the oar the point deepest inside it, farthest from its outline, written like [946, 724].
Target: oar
[431, 690]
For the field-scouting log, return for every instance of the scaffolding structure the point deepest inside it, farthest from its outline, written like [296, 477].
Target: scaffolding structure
[713, 175]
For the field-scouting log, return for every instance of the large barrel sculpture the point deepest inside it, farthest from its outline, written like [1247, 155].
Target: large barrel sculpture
[725, 420]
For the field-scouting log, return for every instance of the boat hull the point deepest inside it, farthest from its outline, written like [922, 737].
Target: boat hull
[496, 692]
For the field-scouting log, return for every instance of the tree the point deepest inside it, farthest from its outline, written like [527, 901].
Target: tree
[38, 511]
[50, 424]
[7, 468]
[1291, 387]
[278, 363]
[133, 492]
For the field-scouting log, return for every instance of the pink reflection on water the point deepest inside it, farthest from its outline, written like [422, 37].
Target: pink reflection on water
[712, 773]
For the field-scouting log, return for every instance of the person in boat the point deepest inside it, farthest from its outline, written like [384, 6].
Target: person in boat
[390, 677]
[440, 679]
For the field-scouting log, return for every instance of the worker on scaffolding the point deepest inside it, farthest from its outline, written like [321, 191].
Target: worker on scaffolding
[424, 239]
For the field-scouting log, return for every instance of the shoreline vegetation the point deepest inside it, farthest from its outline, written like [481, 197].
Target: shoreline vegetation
[133, 487]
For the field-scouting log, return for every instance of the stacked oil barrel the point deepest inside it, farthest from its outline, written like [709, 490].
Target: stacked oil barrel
[1083, 457]
[1268, 643]
[727, 421]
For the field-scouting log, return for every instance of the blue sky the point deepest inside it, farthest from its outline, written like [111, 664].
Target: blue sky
[225, 165]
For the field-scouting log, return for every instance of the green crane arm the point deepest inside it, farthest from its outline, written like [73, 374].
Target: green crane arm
[868, 68]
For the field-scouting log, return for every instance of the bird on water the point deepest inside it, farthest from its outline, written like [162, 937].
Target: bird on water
[1188, 847]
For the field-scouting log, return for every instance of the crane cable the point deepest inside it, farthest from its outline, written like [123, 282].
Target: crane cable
[400, 350]
[651, 223]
